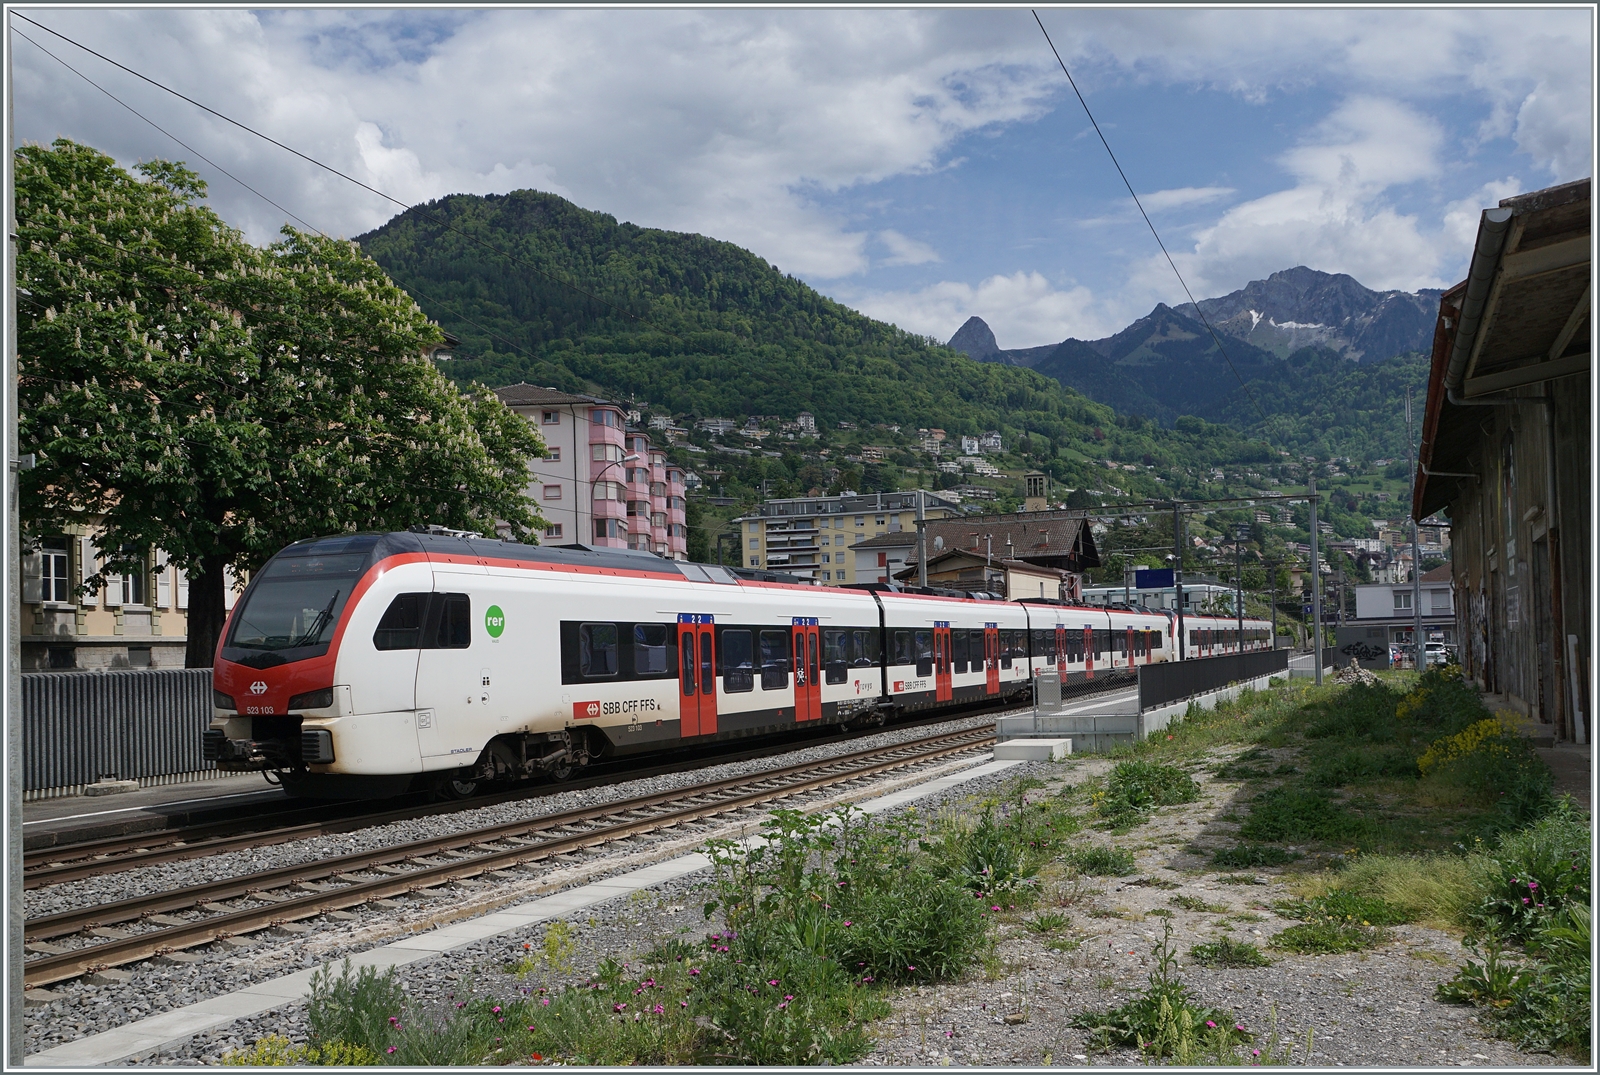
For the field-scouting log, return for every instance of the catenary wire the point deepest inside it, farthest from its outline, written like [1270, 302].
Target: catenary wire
[365, 186]
[1148, 223]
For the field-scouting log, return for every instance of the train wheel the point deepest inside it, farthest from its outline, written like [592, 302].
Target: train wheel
[451, 786]
[561, 773]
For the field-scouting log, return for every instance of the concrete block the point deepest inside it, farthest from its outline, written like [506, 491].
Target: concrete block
[289, 929]
[111, 787]
[234, 944]
[1032, 750]
[108, 934]
[109, 976]
[44, 948]
[38, 998]
[178, 959]
[165, 920]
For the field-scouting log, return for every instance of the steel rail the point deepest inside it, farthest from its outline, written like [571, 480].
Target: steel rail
[789, 781]
[62, 863]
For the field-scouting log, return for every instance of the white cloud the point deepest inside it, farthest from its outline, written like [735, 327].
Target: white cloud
[1181, 196]
[905, 251]
[1461, 217]
[1024, 308]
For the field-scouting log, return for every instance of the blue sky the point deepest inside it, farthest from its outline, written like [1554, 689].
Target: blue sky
[922, 165]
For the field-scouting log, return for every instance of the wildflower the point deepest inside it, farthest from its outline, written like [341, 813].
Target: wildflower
[496, 1009]
[1255, 1052]
[683, 1003]
[393, 1020]
[525, 947]
[849, 923]
[772, 981]
[537, 1056]
[1525, 900]
[783, 1005]
[1239, 1027]
[1533, 884]
[659, 1010]
[694, 972]
[1211, 1025]
[619, 1007]
[530, 1030]
[996, 907]
[545, 1002]
[911, 968]
[394, 1049]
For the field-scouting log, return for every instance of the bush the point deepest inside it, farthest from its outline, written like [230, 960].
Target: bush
[1102, 861]
[1247, 855]
[274, 1051]
[1533, 874]
[1228, 953]
[1134, 788]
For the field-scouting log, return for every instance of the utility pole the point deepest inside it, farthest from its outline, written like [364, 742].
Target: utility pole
[10, 548]
[1240, 536]
[1419, 660]
[922, 543]
[1177, 575]
[1127, 597]
[1272, 582]
[1316, 585]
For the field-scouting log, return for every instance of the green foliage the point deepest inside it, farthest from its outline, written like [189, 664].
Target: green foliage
[1328, 936]
[218, 401]
[354, 1006]
[1165, 1020]
[1348, 906]
[1195, 903]
[1243, 856]
[1532, 874]
[276, 1051]
[1097, 861]
[1135, 788]
[1544, 1003]
[1296, 815]
[1049, 922]
[1228, 953]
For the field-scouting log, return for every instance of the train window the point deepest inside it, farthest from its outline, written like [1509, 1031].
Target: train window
[923, 642]
[958, 652]
[902, 648]
[774, 660]
[835, 655]
[708, 674]
[455, 623]
[864, 649]
[1074, 645]
[401, 626]
[1008, 648]
[738, 662]
[686, 652]
[649, 649]
[597, 649]
[1044, 644]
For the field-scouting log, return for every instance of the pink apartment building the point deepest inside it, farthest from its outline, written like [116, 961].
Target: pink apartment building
[600, 483]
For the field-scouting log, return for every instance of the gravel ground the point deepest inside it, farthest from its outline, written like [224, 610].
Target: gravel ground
[88, 1006]
[1372, 1008]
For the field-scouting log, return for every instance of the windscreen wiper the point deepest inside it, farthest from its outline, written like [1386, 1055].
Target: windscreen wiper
[317, 624]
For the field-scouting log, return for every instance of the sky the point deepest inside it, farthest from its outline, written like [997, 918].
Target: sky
[920, 165]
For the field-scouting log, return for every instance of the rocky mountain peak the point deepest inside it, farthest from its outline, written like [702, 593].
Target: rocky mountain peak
[975, 339]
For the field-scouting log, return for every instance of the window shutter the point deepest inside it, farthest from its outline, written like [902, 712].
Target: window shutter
[32, 577]
[86, 568]
[113, 588]
[163, 581]
[229, 594]
[183, 588]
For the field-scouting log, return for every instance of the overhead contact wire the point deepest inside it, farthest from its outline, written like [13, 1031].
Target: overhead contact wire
[1116, 164]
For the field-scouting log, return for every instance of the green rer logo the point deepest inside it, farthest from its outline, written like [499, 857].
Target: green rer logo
[494, 621]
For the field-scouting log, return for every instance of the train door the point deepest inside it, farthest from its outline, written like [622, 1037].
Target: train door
[1061, 650]
[943, 688]
[1088, 653]
[697, 676]
[991, 658]
[807, 668]
[1131, 661]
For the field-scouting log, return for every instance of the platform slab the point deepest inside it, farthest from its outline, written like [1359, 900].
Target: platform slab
[1033, 750]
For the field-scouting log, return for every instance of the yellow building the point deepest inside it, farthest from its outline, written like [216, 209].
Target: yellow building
[812, 536]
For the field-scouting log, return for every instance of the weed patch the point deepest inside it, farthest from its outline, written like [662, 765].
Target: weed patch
[1195, 903]
[1328, 936]
[1097, 861]
[1229, 953]
[1166, 1020]
[1246, 855]
[1135, 788]
[1345, 905]
[1295, 815]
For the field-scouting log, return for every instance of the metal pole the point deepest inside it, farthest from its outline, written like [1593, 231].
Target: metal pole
[1177, 576]
[10, 548]
[1419, 659]
[922, 543]
[1238, 585]
[1127, 598]
[1316, 586]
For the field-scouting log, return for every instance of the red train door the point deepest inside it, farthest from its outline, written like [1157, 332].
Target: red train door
[697, 676]
[991, 658]
[943, 687]
[1088, 653]
[807, 669]
[1130, 648]
[1061, 649]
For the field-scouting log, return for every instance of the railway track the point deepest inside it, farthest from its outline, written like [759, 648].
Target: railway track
[63, 863]
[131, 930]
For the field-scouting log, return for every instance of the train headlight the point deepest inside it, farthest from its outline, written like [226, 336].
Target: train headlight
[223, 701]
[312, 700]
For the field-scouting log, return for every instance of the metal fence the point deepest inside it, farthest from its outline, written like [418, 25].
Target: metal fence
[1162, 684]
[142, 724]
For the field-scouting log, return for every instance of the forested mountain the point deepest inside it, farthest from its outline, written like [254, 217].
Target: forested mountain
[540, 290]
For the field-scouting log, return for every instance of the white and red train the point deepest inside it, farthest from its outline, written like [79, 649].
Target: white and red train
[370, 664]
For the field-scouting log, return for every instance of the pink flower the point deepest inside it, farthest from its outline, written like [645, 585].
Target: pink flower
[496, 1009]
[683, 1003]
[394, 1049]
[545, 1002]
[849, 923]
[911, 968]
[1210, 1024]
[694, 972]
[782, 1006]
[788, 996]
[619, 1007]
[772, 981]
[996, 907]
[530, 1030]
[1239, 1027]
[659, 1010]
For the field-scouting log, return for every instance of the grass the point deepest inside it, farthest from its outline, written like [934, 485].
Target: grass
[1328, 936]
[1096, 861]
[1195, 903]
[1135, 788]
[1247, 855]
[1228, 953]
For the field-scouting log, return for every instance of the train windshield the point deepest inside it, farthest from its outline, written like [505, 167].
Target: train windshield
[293, 606]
